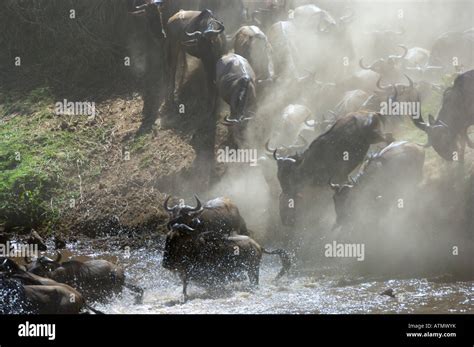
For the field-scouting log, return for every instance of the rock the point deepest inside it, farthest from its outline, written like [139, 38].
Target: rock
[388, 292]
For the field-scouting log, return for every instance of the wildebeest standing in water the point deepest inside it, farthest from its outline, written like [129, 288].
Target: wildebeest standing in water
[448, 134]
[333, 155]
[210, 259]
[36, 294]
[96, 279]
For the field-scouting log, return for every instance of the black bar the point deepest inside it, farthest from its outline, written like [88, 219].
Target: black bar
[323, 330]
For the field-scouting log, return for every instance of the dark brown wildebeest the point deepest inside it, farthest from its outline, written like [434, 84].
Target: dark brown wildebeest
[334, 154]
[210, 260]
[369, 190]
[236, 84]
[220, 215]
[43, 295]
[448, 133]
[96, 279]
[251, 43]
[202, 36]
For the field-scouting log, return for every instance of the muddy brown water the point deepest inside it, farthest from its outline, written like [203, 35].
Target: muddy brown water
[305, 291]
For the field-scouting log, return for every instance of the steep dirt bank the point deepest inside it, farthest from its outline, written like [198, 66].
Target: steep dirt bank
[98, 175]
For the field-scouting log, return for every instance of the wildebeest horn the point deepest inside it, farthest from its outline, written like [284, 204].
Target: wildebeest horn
[382, 87]
[209, 30]
[422, 125]
[182, 227]
[268, 148]
[198, 205]
[193, 34]
[4, 261]
[410, 81]
[405, 52]
[333, 186]
[306, 121]
[363, 66]
[232, 121]
[165, 204]
[347, 17]
[278, 158]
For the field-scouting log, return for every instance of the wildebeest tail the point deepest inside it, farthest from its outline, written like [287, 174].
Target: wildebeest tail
[285, 260]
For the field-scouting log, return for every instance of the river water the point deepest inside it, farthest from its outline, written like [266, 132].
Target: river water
[304, 291]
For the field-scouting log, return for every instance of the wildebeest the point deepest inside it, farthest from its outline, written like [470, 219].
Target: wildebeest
[236, 84]
[96, 279]
[454, 51]
[334, 154]
[448, 134]
[369, 192]
[220, 215]
[202, 36]
[41, 295]
[251, 43]
[210, 260]
[310, 26]
[290, 125]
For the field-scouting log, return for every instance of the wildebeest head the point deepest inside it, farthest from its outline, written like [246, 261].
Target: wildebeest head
[206, 34]
[440, 135]
[243, 109]
[180, 247]
[289, 196]
[184, 214]
[388, 66]
[43, 265]
[401, 92]
[151, 11]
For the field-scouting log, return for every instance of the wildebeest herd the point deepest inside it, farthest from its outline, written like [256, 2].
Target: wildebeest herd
[327, 129]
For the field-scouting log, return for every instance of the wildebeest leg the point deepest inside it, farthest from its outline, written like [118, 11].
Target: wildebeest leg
[153, 83]
[173, 52]
[254, 274]
[137, 290]
[462, 148]
[184, 279]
